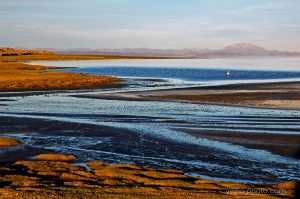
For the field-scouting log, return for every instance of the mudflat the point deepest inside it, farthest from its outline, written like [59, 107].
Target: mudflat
[24, 174]
[281, 144]
[285, 95]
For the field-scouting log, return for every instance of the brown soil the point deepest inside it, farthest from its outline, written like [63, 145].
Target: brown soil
[46, 179]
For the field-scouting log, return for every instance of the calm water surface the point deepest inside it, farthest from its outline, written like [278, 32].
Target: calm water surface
[190, 72]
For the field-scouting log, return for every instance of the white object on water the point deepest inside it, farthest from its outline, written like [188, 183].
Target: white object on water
[228, 73]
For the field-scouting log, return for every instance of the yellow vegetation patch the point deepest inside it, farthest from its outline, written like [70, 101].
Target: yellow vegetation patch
[63, 180]
[55, 157]
[18, 76]
[73, 177]
[97, 165]
[287, 185]
[5, 142]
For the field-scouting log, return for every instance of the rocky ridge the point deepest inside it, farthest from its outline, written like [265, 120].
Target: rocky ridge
[14, 51]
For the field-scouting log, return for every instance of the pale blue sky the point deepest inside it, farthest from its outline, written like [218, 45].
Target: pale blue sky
[274, 24]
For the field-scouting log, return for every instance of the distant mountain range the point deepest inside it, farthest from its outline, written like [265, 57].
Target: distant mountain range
[235, 50]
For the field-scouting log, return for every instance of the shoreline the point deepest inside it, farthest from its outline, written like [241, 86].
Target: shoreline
[32, 77]
[17, 76]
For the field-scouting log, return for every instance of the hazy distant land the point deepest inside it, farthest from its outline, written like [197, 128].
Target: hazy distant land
[234, 50]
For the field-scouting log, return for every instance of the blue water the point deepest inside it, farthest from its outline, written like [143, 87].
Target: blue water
[186, 74]
[190, 70]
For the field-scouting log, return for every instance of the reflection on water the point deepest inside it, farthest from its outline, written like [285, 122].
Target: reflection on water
[264, 63]
[190, 72]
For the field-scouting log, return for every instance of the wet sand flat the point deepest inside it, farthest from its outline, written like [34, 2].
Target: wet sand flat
[281, 144]
[14, 125]
[285, 95]
[115, 145]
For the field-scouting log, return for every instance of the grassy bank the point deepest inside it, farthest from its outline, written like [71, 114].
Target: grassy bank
[17, 76]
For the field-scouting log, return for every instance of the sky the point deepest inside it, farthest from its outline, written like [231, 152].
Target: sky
[165, 24]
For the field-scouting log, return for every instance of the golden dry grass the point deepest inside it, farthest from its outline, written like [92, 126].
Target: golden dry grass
[16, 76]
[6, 141]
[55, 157]
[42, 179]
